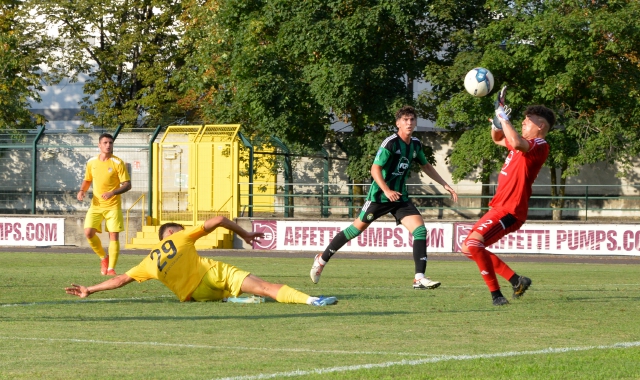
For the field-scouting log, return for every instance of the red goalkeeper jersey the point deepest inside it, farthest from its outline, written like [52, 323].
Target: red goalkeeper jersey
[516, 177]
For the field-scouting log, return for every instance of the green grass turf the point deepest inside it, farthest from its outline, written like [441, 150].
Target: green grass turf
[141, 331]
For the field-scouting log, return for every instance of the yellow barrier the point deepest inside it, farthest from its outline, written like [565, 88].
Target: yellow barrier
[126, 239]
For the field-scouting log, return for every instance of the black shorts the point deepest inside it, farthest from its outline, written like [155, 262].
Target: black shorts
[373, 210]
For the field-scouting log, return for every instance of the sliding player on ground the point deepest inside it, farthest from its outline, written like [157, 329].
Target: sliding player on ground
[176, 263]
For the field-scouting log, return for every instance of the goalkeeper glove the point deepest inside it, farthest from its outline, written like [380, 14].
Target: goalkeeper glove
[501, 109]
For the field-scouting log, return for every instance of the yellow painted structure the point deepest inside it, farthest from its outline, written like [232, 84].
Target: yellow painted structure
[195, 177]
[264, 181]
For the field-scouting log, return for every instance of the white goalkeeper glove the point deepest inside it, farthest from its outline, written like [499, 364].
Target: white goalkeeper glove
[501, 109]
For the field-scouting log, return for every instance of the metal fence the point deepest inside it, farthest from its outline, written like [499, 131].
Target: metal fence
[581, 202]
[42, 172]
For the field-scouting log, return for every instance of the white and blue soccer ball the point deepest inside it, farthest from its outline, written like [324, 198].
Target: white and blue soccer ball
[479, 81]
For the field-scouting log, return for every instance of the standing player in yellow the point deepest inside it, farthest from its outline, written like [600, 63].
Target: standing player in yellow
[176, 263]
[110, 179]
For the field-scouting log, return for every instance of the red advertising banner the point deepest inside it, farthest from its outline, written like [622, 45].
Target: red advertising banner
[379, 237]
[574, 239]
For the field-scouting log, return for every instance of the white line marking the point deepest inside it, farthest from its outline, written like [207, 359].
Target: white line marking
[199, 346]
[320, 371]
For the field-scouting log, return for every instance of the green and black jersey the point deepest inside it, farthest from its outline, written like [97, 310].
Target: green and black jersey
[395, 156]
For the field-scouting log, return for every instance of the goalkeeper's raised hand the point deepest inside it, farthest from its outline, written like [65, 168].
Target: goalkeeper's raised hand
[502, 111]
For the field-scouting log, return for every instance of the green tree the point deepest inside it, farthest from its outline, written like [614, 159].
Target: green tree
[22, 51]
[239, 71]
[578, 58]
[291, 68]
[129, 49]
[581, 59]
[446, 102]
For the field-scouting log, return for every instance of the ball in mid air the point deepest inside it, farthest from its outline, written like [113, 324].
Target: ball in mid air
[479, 81]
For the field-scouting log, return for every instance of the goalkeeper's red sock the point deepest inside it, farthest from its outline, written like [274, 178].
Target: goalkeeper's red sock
[481, 256]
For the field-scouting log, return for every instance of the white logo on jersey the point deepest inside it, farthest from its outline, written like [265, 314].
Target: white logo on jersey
[507, 161]
[403, 165]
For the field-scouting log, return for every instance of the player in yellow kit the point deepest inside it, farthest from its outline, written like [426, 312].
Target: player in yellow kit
[176, 263]
[110, 178]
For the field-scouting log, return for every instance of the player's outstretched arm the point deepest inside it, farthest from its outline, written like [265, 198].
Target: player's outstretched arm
[221, 221]
[429, 170]
[502, 128]
[112, 283]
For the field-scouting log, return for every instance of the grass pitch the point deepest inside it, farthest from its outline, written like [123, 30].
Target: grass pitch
[577, 321]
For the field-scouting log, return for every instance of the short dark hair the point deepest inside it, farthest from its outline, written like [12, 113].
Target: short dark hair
[406, 111]
[163, 228]
[107, 135]
[543, 112]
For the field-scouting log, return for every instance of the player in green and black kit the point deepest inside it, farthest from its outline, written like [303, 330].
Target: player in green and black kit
[388, 194]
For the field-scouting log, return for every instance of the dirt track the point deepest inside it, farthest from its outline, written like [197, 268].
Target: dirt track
[362, 256]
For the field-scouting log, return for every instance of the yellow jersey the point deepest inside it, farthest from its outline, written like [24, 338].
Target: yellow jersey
[106, 176]
[176, 263]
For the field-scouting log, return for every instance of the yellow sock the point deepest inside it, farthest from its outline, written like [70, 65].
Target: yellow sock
[96, 245]
[114, 251]
[287, 294]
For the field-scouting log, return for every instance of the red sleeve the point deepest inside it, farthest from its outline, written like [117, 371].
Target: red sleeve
[538, 149]
[531, 144]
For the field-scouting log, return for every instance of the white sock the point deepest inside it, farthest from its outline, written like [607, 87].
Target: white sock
[419, 276]
[322, 262]
[311, 300]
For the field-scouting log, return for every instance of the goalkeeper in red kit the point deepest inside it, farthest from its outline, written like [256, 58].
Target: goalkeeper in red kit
[509, 206]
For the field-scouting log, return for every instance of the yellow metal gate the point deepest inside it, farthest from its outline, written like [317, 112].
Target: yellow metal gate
[196, 178]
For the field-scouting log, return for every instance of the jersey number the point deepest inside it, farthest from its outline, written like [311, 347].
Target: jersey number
[167, 247]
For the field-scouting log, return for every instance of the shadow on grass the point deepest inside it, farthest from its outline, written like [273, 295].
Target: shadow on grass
[158, 299]
[216, 317]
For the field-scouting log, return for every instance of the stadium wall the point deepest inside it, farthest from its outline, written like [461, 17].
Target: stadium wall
[383, 236]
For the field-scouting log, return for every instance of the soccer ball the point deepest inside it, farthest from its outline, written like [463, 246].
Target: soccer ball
[479, 82]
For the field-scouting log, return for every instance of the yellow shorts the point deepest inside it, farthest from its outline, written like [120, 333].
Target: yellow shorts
[221, 281]
[113, 220]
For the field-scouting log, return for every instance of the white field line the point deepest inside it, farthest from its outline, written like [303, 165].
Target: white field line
[226, 348]
[320, 371]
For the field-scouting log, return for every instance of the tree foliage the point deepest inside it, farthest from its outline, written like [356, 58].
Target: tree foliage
[22, 51]
[129, 49]
[291, 68]
[581, 59]
[578, 58]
